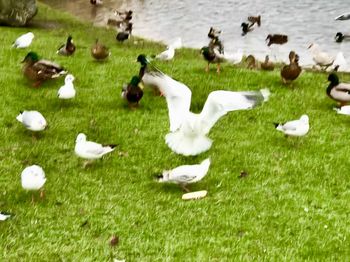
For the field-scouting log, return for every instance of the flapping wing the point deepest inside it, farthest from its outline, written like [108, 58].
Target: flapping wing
[178, 97]
[220, 102]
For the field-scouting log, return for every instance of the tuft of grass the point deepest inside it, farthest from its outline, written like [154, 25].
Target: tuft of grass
[293, 205]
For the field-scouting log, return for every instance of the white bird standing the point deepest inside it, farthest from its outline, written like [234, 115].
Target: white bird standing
[33, 179]
[3, 217]
[186, 174]
[90, 150]
[323, 59]
[188, 130]
[67, 91]
[167, 54]
[234, 58]
[32, 120]
[344, 110]
[24, 40]
[298, 127]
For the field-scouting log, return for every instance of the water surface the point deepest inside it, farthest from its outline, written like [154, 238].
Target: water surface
[304, 21]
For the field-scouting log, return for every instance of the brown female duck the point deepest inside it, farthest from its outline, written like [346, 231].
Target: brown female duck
[99, 51]
[292, 71]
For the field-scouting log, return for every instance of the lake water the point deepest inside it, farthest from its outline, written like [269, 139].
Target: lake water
[304, 21]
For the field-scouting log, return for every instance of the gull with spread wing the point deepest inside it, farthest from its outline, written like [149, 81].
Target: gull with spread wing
[188, 131]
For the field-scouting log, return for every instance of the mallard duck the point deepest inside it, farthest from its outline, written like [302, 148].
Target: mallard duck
[267, 65]
[124, 15]
[292, 71]
[246, 28]
[68, 48]
[122, 36]
[276, 39]
[251, 62]
[99, 51]
[188, 131]
[213, 55]
[339, 92]
[298, 127]
[32, 120]
[133, 91]
[40, 70]
[24, 40]
[186, 174]
[322, 59]
[214, 33]
[67, 91]
[33, 179]
[339, 37]
[255, 19]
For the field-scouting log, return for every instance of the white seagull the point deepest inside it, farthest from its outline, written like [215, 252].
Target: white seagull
[33, 179]
[32, 120]
[345, 16]
[3, 217]
[185, 174]
[188, 131]
[67, 91]
[167, 54]
[24, 40]
[298, 127]
[90, 150]
[344, 110]
[323, 59]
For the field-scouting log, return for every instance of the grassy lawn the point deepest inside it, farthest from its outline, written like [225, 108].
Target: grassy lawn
[293, 205]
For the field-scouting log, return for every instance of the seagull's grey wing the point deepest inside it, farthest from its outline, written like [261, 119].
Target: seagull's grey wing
[220, 102]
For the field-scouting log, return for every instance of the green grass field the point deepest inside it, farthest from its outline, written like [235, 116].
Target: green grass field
[293, 205]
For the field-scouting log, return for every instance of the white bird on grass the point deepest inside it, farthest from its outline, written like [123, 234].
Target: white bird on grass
[298, 127]
[188, 131]
[90, 150]
[166, 55]
[3, 217]
[186, 174]
[32, 120]
[24, 40]
[33, 179]
[67, 91]
[323, 59]
[234, 58]
[344, 110]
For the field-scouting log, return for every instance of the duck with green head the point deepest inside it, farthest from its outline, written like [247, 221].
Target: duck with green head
[40, 70]
[68, 48]
[339, 92]
[133, 91]
[213, 56]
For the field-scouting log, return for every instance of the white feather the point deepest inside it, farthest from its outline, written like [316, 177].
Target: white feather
[32, 120]
[90, 150]
[341, 62]
[186, 174]
[299, 127]
[167, 54]
[320, 58]
[33, 178]
[3, 217]
[24, 40]
[67, 91]
[344, 110]
[189, 130]
[234, 58]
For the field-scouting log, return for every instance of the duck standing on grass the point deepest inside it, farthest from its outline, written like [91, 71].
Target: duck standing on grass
[24, 40]
[186, 174]
[298, 127]
[188, 131]
[99, 51]
[214, 52]
[267, 65]
[90, 150]
[67, 91]
[133, 91]
[68, 48]
[33, 179]
[32, 120]
[291, 72]
[40, 70]
[339, 92]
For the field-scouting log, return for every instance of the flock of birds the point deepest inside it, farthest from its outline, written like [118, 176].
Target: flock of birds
[188, 131]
